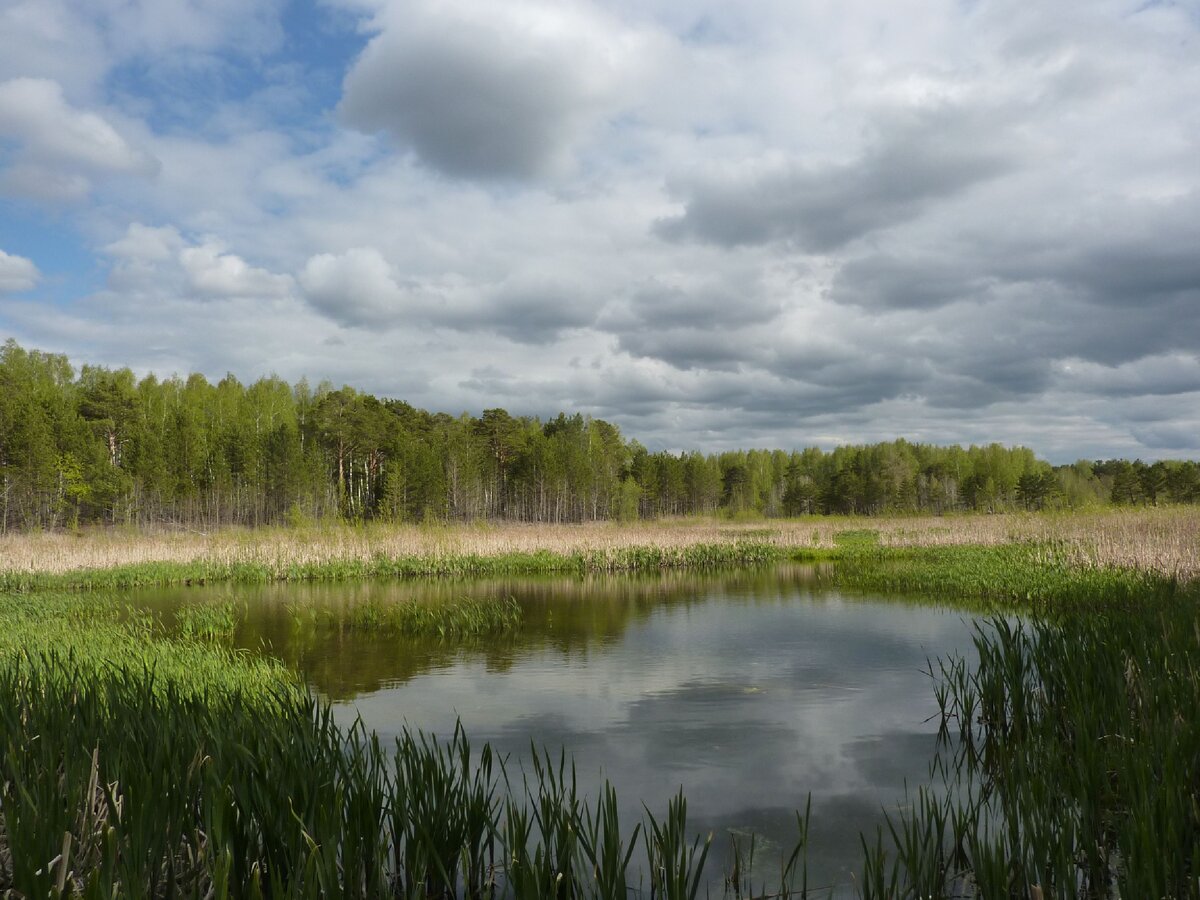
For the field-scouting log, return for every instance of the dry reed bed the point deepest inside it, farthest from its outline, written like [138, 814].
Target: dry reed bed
[1166, 541]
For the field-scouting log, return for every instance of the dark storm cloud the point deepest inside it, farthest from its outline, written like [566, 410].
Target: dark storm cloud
[847, 378]
[686, 348]
[1098, 301]
[821, 208]
[885, 281]
[976, 381]
[1008, 344]
[1164, 375]
[711, 305]
[1160, 269]
[756, 397]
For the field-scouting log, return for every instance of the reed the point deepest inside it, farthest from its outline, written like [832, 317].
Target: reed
[585, 561]
[1015, 576]
[207, 622]
[1067, 763]
[127, 785]
[1162, 540]
[455, 618]
[93, 636]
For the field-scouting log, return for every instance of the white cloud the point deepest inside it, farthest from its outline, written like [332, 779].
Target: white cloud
[491, 90]
[147, 243]
[77, 43]
[163, 26]
[17, 273]
[28, 179]
[60, 148]
[213, 272]
[51, 39]
[34, 113]
[159, 261]
[355, 287]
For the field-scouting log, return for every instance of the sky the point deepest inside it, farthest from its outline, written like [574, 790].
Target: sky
[777, 223]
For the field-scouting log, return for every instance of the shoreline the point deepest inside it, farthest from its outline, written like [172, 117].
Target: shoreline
[1159, 541]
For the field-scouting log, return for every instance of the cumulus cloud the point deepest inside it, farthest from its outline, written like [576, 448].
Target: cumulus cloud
[488, 90]
[17, 273]
[355, 287]
[358, 288]
[59, 145]
[145, 256]
[213, 272]
[150, 260]
[34, 112]
[147, 243]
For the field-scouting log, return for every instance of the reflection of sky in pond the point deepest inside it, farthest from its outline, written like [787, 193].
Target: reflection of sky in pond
[750, 691]
[750, 708]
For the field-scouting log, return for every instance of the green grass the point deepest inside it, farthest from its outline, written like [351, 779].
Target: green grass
[458, 618]
[1068, 762]
[207, 622]
[126, 785]
[92, 637]
[627, 559]
[1013, 576]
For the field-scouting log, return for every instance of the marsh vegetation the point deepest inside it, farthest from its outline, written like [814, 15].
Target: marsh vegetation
[1066, 764]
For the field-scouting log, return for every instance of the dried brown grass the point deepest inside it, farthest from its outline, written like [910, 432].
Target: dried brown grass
[1166, 540]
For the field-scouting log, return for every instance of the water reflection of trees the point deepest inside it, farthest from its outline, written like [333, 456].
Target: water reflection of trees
[572, 616]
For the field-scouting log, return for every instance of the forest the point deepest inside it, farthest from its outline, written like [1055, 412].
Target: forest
[101, 446]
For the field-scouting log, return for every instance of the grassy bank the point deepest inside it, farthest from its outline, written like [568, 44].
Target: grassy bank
[1163, 542]
[91, 638]
[1166, 541]
[1029, 577]
[732, 554]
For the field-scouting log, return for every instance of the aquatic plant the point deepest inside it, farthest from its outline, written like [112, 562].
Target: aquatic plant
[207, 622]
[1067, 761]
[455, 618]
[448, 565]
[130, 785]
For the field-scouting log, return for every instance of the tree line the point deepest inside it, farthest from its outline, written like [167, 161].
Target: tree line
[99, 445]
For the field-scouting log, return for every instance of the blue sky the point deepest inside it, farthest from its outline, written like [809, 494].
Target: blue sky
[769, 224]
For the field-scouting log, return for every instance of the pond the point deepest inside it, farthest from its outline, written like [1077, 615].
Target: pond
[751, 690]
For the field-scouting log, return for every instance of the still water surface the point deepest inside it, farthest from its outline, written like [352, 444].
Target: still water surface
[750, 690]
